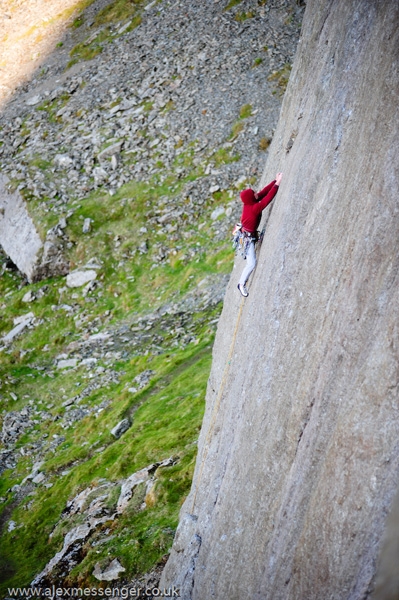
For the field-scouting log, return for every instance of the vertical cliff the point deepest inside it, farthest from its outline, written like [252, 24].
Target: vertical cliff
[298, 458]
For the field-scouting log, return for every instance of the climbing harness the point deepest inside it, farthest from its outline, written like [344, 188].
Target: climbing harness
[242, 239]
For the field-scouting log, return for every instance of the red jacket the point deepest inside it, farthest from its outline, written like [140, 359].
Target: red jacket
[252, 210]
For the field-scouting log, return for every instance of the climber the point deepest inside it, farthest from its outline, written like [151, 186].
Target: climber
[254, 204]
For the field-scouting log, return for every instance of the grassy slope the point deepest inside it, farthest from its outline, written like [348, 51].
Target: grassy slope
[168, 420]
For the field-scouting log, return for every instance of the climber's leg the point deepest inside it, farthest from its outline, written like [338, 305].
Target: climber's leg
[251, 264]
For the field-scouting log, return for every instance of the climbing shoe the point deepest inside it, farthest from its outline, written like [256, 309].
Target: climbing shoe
[243, 289]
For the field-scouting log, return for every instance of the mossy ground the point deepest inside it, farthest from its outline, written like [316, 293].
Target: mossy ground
[166, 423]
[280, 79]
[122, 12]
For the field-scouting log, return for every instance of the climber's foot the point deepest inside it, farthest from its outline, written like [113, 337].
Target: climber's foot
[243, 289]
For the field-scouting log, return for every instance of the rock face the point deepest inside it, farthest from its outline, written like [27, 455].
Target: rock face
[298, 459]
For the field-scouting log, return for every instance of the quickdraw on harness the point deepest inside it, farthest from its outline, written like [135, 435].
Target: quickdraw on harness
[242, 239]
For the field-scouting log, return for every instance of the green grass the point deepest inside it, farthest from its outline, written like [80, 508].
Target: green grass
[224, 156]
[243, 16]
[232, 3]
[51, 107]
[264, 143]
[245, 111]
[114, 13]
[120, 10]
[237, 127]
[167, 413]
[78, 9]
[280, 78]
[78, 22]
[166, 424]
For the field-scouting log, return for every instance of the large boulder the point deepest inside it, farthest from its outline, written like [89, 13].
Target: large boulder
[20, 240]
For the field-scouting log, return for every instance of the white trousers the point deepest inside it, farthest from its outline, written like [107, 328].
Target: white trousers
[251, 264]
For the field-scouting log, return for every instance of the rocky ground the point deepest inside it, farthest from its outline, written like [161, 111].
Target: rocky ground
[182, 106]
[182, 76]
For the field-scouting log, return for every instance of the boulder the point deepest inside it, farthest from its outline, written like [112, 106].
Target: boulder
[20, 323]
[120, 428]
[79, 278]
[21, 241]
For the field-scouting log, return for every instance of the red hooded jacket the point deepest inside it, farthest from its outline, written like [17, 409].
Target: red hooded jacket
[252, 210]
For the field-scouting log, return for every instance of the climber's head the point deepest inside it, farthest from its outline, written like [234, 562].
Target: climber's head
[248, 196]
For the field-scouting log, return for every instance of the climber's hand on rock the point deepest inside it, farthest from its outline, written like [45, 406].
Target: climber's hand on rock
[279, 177]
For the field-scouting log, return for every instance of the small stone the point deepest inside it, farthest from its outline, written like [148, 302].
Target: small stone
[143, 248]
[93, 263]
[33, 100]
[150, 5]
[80, 278]
[98, 337]
[114, 162]
[40, 477]
[120, 428]
[217, 213]
[35, 470]
[89, 362]
[15, 332]
[67, 363]
[100, 174]
[68, 402]
[110, 150]
[110, 573]
[124, 27]
[29, 296]
[11, 525]
[63, 161]
[24, 318]
[86, 225]
[240, 181]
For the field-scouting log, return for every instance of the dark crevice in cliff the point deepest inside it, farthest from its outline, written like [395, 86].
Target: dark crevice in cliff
[304, 424]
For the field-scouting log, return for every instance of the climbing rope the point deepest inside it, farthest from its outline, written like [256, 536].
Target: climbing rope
[217, 403]
[221, 389]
